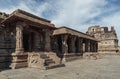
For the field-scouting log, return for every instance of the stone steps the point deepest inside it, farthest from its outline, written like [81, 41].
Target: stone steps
[47, 59]
[49, 62]
[19, 65]
[43, 60]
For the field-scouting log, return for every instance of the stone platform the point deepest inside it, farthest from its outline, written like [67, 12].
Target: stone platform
[106, 68]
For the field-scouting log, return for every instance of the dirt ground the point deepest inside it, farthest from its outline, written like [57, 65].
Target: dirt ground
[106, 68]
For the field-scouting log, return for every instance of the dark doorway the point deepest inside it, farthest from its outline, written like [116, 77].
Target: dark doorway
[59, 40]
[26, 42]
[31, 41]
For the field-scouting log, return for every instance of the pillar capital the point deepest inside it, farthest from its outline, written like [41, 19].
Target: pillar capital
[64, 37]
[19, 23]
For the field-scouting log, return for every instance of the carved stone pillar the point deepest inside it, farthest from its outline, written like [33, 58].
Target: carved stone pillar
[19, 38]
[93, 46]
[19, 58]
[64, 47]
[64, 44]
[89, 45]
[79, 45]
[86, 45]
[96, 46]
[47, 40]
[73, 47]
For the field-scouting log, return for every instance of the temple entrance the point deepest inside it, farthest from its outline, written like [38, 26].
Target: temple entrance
[28, 42]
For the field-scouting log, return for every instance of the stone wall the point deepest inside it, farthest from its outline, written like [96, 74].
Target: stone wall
[7, 40]
[7, 46]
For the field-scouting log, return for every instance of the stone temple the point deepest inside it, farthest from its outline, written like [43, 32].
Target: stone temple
[27, 40]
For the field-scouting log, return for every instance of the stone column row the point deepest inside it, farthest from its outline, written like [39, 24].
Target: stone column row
[72, 46]
[75, 46]
[90, 46]
[19, 39]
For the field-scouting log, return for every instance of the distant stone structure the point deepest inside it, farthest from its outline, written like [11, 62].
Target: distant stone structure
[108, 41]
[27, 40]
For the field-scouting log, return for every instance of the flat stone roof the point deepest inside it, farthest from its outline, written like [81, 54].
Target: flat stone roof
[69, 31]
[27, 17]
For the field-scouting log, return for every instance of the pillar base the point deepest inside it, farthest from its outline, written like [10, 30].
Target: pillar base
[71, 57]
[19, 60]
[19, 51]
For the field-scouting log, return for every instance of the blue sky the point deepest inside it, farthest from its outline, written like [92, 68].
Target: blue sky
[76, 14]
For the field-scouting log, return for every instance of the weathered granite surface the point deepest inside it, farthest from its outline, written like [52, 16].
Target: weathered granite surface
[106, 68]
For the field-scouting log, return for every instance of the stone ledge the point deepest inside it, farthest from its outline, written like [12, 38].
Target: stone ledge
[90, 55]
[54, 66]
[19, 65]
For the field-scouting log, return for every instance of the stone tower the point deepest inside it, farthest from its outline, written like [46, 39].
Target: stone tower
[108, 41]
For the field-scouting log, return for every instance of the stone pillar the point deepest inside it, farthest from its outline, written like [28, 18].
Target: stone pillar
[79, 45]
[64, 48]
[91, 46]
[47, 40]
[64, 44]
[19, 58]
[96, 46]
[84, 48]
[73, 47]
[86, 45]
[19, 38]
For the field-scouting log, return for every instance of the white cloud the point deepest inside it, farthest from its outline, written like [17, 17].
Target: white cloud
[27, 6]
[13, 8]
[75, 14]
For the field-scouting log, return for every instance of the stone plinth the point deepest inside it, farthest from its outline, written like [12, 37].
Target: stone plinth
[19, 60]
